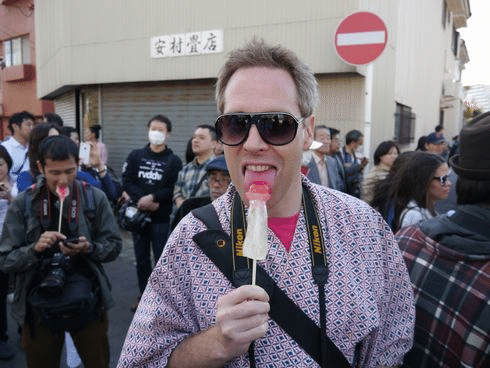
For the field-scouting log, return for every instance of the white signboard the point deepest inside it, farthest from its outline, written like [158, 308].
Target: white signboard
[183, 44]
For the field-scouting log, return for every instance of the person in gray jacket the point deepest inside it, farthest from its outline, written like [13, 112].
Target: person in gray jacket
[86, 236]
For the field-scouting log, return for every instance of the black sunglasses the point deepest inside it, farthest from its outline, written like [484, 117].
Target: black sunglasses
[443, 179]
[276, 128]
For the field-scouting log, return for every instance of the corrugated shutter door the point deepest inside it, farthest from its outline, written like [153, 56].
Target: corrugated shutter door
[64, 106]
[126, 109]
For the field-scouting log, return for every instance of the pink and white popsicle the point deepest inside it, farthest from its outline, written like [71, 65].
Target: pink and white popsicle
[62, 193]
[256, 245]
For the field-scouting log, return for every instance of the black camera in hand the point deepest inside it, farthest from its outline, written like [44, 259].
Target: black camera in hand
[133, 219]
[55, 267]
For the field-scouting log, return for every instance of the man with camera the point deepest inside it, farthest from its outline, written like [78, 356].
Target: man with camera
[149, 175]
[57, 260]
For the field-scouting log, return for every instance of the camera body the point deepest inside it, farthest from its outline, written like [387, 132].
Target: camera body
[133, 219]
[55, 267]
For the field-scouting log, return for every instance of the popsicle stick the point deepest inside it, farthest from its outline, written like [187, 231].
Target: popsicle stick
[61, 215]
[254, 271]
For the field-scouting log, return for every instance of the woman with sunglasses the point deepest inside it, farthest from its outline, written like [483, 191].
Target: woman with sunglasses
[416, 186]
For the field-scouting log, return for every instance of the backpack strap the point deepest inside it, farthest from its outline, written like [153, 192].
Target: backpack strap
[88, 193]
[216, 245]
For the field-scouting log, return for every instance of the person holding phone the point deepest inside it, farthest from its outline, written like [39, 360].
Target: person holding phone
[33, 235]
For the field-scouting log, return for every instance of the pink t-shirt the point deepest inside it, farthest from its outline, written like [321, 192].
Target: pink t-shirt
[284, 228]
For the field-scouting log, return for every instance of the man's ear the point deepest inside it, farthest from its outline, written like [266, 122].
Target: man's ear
[39, 166]
[308, 132]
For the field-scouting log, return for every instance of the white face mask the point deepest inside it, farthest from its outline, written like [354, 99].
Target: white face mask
[156, 137]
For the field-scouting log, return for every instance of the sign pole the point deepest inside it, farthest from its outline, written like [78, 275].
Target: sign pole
[368, 106]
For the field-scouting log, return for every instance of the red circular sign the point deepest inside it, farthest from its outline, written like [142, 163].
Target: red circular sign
[360, 38]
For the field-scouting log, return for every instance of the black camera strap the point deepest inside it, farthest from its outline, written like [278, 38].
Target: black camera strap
[45, 210]
[227, 255]
[73, 209]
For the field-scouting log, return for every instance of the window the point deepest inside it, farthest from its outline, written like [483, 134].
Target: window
[17, 51]
[404, 124]
[454, 42]
[444, 13]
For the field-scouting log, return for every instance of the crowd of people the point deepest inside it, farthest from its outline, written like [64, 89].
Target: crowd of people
[370, 298]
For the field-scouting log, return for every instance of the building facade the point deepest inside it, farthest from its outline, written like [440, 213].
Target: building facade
[117, 63]
[18, 63]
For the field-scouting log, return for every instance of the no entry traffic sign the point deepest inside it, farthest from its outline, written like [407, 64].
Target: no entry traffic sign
[361, 38]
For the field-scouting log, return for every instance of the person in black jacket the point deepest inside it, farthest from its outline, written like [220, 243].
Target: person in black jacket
[149, 175]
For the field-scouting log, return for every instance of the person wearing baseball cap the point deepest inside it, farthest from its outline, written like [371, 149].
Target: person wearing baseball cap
[435, 143]
[218, 181]
[448, 258]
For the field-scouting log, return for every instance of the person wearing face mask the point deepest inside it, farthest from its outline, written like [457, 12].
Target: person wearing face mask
[149, 175]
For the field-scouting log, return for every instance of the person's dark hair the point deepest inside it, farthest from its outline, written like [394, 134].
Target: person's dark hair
[6, 156]
[257, 53]
[380, 196]
[211, 129]
[383, 149]
[53, 118]
[161, 119]
[189, 153]
[421, 143]
[471, 191]
[439, 128]
[412, 181]
[67, 130]
[353, 136]
[96, 130]
[38, 133]
[57, 148]
[334, 132]
[18, 118]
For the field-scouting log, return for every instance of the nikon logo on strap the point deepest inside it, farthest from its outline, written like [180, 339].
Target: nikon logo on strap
[239, 242]
[317, 245]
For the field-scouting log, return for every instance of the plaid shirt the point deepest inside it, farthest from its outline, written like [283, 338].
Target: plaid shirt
[452, 292]
[368, 297]
[192, 180]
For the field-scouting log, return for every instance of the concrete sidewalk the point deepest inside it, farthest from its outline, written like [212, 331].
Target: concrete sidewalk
[122, 274]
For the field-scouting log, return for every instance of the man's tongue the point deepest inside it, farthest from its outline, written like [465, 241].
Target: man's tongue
[267, 177]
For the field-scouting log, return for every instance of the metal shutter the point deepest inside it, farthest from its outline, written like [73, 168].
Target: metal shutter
[126, 109]
[64, 106]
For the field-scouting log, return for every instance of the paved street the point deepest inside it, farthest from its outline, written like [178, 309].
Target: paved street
[122, 273]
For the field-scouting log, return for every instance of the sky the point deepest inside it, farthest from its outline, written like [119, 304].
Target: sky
[476, 36]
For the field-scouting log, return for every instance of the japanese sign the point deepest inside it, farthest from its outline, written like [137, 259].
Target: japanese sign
[182, 44]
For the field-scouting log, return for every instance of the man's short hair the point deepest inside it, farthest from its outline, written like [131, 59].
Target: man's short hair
[353, 136]
[334, 132]
[67, 130]
[257, 53]
[57, 148]
[211, 129]
[161, 119]
[18, 118]
[53, 118]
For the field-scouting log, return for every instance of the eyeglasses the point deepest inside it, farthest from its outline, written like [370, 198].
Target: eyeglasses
[276, 128]
[443, 179]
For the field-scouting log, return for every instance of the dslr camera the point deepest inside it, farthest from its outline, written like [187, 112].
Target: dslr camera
[133, 219]
[55, 266]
